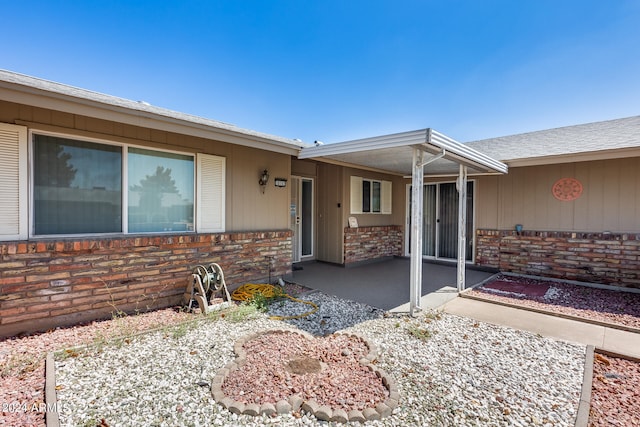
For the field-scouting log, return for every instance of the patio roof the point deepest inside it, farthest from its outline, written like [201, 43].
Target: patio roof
[410, 153]
[394, 154]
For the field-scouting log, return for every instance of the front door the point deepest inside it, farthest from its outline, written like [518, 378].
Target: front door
[302, 218]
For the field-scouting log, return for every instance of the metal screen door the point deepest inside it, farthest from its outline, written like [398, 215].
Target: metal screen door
[440, 221]
[302, 217]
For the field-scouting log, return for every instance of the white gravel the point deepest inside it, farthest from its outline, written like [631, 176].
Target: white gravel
[461, 373]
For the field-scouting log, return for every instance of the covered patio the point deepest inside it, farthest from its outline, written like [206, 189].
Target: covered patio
[414, 155]
[385, 284]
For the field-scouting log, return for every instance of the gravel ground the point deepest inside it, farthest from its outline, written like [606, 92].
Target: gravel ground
[449, 371]
[22, 360]
[605, 305]
[616, 397]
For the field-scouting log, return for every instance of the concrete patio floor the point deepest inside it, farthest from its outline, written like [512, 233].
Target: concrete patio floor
[385, 284]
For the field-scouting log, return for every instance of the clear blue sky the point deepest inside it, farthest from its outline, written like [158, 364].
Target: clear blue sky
[335, 70]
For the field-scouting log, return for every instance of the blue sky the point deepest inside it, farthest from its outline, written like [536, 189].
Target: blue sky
[338, 70]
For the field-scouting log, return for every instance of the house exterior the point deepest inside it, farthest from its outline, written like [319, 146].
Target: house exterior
[108, 204]
[576, 193]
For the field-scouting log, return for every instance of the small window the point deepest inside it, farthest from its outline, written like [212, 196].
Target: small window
[370, 196]
[366, 195]
[375, 196]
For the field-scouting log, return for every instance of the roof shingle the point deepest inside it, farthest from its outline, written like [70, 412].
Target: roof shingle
[585, 138]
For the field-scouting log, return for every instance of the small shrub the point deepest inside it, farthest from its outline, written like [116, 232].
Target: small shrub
[260, 301]
[432, 315]
[422, 334]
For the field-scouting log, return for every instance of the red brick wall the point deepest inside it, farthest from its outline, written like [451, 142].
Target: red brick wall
[50, 283]
[370, 243]
[607, 258]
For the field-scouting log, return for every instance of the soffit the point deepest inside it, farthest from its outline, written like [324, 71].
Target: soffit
[394, 154]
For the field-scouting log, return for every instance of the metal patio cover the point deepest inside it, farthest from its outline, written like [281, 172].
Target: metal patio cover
[416, 153]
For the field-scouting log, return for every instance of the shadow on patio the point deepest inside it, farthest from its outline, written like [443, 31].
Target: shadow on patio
[385, 284]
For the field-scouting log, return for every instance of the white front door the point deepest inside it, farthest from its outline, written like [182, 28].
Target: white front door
[302, 217]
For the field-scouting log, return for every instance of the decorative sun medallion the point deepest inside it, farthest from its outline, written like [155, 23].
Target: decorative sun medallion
[567, 189]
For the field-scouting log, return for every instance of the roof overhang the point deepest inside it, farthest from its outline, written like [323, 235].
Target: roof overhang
[619, 153]
[393, 154]
[41, 93]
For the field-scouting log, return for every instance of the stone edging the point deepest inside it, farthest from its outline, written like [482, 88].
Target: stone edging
[50, 396]
[296, 402]
[584, 405]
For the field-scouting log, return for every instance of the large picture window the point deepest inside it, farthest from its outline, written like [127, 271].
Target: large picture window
[79, 187]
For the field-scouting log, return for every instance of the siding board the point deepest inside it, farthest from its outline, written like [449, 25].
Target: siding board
[610, 200]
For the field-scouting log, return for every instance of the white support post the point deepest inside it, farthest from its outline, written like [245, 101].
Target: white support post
[415, 292]
[462, 226]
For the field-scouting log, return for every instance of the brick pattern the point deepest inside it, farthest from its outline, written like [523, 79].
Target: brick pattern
[49, 283]
[370, 243]
[606, 258]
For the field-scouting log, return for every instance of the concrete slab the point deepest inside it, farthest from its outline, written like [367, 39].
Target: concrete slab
[384, 284]
[602, 337]
[432, 300]
[622, 342]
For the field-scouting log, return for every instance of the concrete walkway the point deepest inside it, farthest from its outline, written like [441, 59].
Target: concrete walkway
[604, 338]
[385, 284]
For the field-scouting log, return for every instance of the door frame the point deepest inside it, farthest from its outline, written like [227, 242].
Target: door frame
[407, 236]
[296, 228]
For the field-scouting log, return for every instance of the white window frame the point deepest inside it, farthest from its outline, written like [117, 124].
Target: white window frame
[220, 225]
[357, 196]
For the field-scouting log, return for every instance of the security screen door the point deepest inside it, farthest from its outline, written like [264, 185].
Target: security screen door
[302, 217]
[440, 221]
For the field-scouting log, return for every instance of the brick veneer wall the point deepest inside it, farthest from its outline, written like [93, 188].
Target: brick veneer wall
[363, 244]
[607, 258]
[50, 283]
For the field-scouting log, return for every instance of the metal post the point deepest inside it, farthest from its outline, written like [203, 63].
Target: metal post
[415, 291]
[462, 226]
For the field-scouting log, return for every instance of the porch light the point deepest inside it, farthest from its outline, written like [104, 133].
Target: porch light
[264, 179]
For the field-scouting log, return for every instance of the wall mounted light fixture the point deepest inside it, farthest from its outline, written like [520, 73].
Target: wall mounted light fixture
[264, 179]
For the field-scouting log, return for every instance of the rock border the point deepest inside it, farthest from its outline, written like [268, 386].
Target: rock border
[584, 405]
[296, 402]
